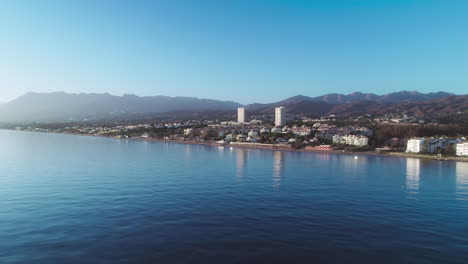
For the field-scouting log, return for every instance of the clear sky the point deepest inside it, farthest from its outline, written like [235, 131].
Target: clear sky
[243, 50]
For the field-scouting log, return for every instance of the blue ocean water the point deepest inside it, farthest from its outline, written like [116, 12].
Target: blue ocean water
[77, 199]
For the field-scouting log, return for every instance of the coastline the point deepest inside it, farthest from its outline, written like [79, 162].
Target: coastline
[271, 147]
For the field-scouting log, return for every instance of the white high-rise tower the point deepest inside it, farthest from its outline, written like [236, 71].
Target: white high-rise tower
[241, 116]
[280, 116]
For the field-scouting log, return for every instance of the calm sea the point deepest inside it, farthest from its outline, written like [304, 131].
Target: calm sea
[76, 199]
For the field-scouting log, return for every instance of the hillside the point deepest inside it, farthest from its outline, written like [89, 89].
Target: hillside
[62, 107]
[437, 107]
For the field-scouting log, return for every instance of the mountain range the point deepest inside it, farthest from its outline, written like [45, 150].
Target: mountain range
[435, 107]
[333, 98]
[60, 106]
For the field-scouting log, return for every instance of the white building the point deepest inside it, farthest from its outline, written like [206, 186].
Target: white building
[252, 133]
[415, 145]
[462, 148]
[280, 116]
[353, 140]
[276, 129]
[301, 131]
[187, 131]
[241, 115]
[256, 122]
[361, 141]
[428, 145]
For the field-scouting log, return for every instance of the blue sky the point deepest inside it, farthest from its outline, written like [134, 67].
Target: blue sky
[245, 50]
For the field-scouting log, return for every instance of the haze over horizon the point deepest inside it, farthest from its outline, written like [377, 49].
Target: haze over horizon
[243, 51]
[221, 99]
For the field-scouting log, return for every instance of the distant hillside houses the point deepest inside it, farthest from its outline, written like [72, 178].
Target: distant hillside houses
[437, 145]
[301, 130]
[297, 130]
[329, 131]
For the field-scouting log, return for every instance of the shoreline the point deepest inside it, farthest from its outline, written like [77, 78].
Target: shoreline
[271, 147]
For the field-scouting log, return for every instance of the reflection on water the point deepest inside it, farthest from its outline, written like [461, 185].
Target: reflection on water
[413, 173]
[278, 166]
[168, 146]
[221, 151]
[58, 193]
[354, 165]
[462, 176]
[241, 162]
[323, 156]
[188, 150]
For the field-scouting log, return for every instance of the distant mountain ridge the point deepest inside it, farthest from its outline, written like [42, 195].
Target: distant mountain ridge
[333, 98]
[60, 106]
[439, 106]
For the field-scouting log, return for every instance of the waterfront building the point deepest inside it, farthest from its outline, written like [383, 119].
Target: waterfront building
[462, 148]
[280, 116]
[428, 145]
[361, 141]
[352, 140]
[320, 147]
[241, 115]
[415, 145]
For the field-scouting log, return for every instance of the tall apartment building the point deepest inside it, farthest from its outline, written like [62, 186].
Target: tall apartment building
[241, 115]
[280, 116]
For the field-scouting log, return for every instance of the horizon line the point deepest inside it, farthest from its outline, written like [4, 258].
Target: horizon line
[202, 98]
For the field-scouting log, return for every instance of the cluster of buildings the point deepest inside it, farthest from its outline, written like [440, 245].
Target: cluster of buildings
[102, 130]
[322, 134]
[400, 118]
[345, 135]
[352, 135]
[353, 140]
[458, 146]
[329, 131]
